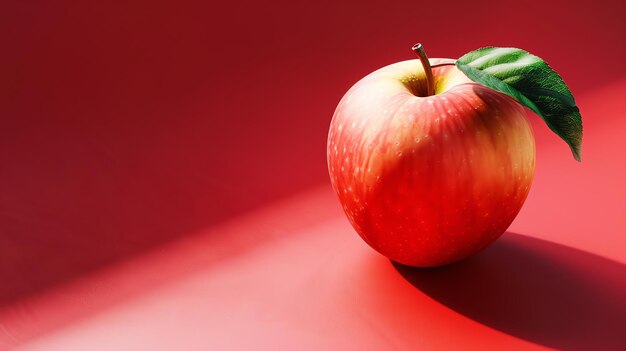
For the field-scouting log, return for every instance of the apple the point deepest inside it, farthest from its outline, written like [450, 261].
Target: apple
[429, 166]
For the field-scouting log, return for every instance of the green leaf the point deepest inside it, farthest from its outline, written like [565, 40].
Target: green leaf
[533, 83]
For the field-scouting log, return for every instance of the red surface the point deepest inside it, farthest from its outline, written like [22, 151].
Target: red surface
[144, 148]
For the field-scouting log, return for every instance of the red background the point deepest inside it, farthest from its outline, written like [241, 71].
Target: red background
[163, 180]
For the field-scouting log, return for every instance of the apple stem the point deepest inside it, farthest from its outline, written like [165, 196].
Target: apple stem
[421, 54]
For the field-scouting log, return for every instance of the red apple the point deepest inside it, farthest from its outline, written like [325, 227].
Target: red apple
[429, 179]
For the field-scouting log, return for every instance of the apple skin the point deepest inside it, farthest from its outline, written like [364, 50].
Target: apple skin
[427, 181]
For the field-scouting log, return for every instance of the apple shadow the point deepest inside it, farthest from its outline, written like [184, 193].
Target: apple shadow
[536, 290]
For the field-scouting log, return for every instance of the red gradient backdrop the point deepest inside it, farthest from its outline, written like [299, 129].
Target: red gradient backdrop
[163, 181]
